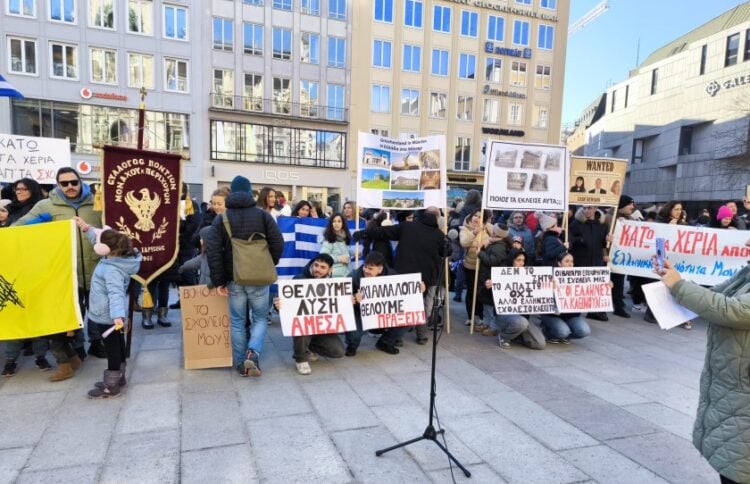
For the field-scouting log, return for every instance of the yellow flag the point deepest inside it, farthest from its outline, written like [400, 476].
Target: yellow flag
[38, 280]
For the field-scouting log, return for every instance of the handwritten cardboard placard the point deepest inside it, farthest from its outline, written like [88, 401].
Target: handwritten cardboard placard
[582, 289]
[316, 306]
[523, 290]
[32, 157]
[391, 301]
[206, 339]
[596, 181]
[703, 255]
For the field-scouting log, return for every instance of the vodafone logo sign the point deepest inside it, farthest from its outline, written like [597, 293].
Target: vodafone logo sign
[86, 93]
[83, 167]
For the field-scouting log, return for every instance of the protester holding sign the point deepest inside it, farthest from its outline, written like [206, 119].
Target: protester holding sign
[336, 240]
[494, 255]
[474, 237]
[625, 209]
[588, 241]
[560, 328]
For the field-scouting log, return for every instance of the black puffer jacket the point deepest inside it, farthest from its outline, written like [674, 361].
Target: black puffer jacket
[587, 241]
[494, 255]
[245, 219]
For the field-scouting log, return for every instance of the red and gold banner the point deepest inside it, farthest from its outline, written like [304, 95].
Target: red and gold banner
[141, 196]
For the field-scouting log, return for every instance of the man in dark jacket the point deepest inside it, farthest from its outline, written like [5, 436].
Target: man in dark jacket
[245, 219]
[625, 209]
[588, 241]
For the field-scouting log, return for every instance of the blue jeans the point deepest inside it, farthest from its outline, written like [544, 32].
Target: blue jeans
[511, 326]
[239, 297]
[38, 345]
[558, 328]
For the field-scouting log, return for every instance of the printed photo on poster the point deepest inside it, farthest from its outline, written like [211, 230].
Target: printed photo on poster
[596, 181]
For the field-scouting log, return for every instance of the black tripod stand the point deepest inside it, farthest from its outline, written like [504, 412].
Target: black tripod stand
[429, 432]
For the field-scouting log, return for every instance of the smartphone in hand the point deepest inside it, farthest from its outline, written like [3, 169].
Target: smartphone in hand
[661, 253]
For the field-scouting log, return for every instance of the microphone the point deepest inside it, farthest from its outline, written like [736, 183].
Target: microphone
[40, 219]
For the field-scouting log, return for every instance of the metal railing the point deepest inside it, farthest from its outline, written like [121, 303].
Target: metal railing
[280, 107]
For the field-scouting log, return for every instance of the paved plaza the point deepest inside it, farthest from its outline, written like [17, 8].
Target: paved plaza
[615, 407]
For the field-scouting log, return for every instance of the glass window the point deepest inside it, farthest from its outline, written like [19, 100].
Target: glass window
[467, 64]
[627, 93]
[21, 56]
[747, 45]
[515, 113]
[496, 28]
[410, 102]
[336, 52]
[335, 102]
[308, 98]
[462, 158]
[282, 43]
[517, 73]
[282, 95]
[253, 38]
[175, 22]
[654, 80]
[175, 75]
[282, 4]
[102, 14]
[441, 19]
[253, 2]
[24, 8]
[413, 13]
[310, 7]
[520, 32]
[141, 17]
[310, 48]
[543, 79]
[253, 92]
[223, 93]
[524, 2]
[381, 54]
[103, 66]
[64, 60]
[494, 70]
[491, 112]
[550, 4]
[140, 70]
[465, 108]
[384, 10]
[62, 10]
[541, 117]
[412, 58]
[439, 62]
[381, 99]
[637, 151]
[223, 34]
[546, 37]
[469, 23]
[438, 105]
[733, 47]
[337, 9]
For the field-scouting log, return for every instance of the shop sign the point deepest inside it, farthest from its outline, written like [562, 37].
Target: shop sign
[280, 175]
[497, 92]
[87, 93]
[501, 7]
[491, 48]
[714, 87]
[504, 132]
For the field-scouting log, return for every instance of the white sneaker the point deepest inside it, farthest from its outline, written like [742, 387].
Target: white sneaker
[503, 343]
[303, 368]
[639, 307]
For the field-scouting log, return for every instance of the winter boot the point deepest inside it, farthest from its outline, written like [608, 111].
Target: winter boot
[111, 385]
[123, 381]
[96, 348]
[146, 319]
[64, 371]
[76, 362]
[162, 320]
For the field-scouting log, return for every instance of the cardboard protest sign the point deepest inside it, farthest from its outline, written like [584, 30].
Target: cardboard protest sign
[702, 255]
[391, 301]
[523, 290]
[521, 176]
[32, 157]
[596, 181]
[401, 174]
[582, 289]
[206, 339]
[316, 306]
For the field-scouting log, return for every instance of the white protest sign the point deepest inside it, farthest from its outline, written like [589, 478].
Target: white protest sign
[391, 301]
[664, 306]
[521, 176]
[31, 157]
[316, 306]
[523, 290]
[582, 289]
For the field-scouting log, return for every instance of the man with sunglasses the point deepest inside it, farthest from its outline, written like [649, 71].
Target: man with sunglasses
[72, 198]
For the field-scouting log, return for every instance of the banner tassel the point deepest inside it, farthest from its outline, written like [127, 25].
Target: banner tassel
[98, 200]
[146, 301]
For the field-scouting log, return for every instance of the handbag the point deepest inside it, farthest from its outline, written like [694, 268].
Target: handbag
[252, 264]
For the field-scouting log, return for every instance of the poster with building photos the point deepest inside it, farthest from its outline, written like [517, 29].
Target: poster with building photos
[520, 176]
[401, 174]
[596, 181]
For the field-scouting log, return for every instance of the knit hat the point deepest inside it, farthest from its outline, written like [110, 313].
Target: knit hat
[241, 184]
[4, 202]
[724, 212]
[500, 231]
[625, 200]
[546, 222]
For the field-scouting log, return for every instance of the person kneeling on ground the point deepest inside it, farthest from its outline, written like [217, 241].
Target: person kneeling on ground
[559, 328]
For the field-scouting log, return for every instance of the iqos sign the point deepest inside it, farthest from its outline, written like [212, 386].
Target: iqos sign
[280, 175]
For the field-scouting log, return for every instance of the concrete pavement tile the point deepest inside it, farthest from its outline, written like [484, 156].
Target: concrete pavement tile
[607, 465]
[670, 394]
[451, 399]
[605, 390]
[404, 363]
[375, 387]
[143, 458]
[479, 473]
[11, 461]
[220, 465]
[65, 475]
[295, 449]
[207, 380]
[666, 455]
[31, 413]
[670, 420]
[158, 366]
[667, 371]
[538, 385]
[211, 420]
[338, 407]
[150, 407]
[551, 357]
[612, 350]
[470, 378]
[271, 397]
[617, 372]
[358, 448]
[161, 342]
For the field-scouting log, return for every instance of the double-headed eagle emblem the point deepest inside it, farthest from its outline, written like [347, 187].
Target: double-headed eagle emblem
[144, 209]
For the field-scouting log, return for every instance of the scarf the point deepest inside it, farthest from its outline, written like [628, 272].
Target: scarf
[75, 202]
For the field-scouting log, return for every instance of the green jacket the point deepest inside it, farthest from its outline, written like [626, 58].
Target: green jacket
[722, 424]
[61, 210]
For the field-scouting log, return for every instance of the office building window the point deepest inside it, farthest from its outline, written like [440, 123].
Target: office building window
[380, 101]
[550, 4]
[746, 57]
[64, 60]
[704, 52]
[258, 3]
[21, 56]
[469, 23]
[517, 73]
[543, 78]
[62, 11]
[282, 95]
[637, 151]
[441, 19]
[515, 113]
[733, 47]
[252, 38]
[439, 62]
[467, 64]
[654, 80]
[493, 70]
[140, 70]
[337, 9]
[282, 4]
[614, 100]
[176, 75]
[282, 43]
[223, 94]
[541, 117]
[546, 37]
[627, 92]
[520, 32]
[336, 52]
[491, 112]
[438, 105]
[524, 2]
[335, 102]
[413, 13]
[495, 28]
[384, 10]
[22, 8]
[410, 102]
[102, 14]
[308, 98]
[412, 58]
[175, 22]
[103, 65]
[223, 34]
[686, 140]
[462, 158]
[252, 92]
[465, 108]
[381, 54]
[141, 17]
[310, 7]
[310, 48]
[379, 132]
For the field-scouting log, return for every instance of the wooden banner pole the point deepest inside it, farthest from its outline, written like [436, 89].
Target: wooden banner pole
[478, 238]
